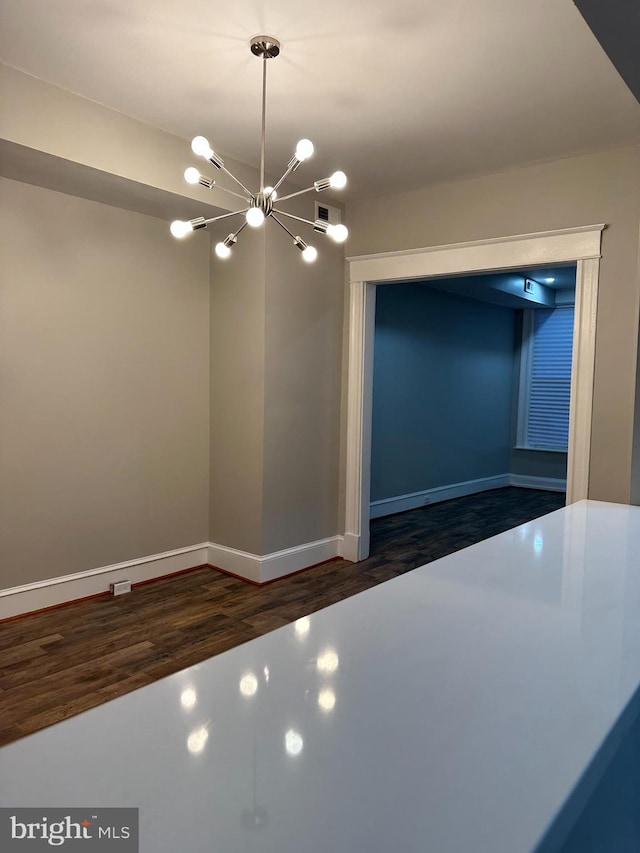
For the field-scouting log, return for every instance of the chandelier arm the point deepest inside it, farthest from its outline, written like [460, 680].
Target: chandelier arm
[282, 225]
[241, 229]
[264, 120]
[300, 192]
[284, 177]
[238, 181]
[299, 218]
[233, 192]
[223, 216]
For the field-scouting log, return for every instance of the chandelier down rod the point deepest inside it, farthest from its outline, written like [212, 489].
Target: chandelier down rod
[260, 205]
[264, 120]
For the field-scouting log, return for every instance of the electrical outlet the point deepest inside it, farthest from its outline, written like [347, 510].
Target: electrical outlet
[528, 285]
[120, 587]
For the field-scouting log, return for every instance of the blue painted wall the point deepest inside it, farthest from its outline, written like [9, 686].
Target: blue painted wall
[442, 390]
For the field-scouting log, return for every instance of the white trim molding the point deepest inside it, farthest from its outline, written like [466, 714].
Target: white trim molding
[582, 375]
[542, 247]
[414, 500]
[61, 590]
[570, 245]
[362, 312]
[269, 567]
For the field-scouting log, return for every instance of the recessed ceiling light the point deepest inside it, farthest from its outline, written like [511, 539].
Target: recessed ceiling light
[549, 280]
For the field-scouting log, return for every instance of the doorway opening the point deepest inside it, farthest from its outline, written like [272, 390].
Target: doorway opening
[579, 246]
[471, 386]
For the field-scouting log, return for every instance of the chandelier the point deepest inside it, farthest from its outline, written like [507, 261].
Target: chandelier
[260, 205]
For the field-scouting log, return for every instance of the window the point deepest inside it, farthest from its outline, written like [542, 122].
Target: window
[545, 379]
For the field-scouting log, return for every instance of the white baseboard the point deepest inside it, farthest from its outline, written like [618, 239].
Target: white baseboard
[548, 484]
[401, 503]
[48, 593]
[240, 563]
[275, 565]
[414, 500]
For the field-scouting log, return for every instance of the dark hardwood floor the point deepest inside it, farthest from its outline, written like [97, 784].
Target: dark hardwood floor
[63, 661]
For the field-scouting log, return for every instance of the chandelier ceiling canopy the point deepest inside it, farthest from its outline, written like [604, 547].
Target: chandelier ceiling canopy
[260, 205]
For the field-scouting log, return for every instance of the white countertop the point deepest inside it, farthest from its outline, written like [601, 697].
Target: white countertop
[452, 710]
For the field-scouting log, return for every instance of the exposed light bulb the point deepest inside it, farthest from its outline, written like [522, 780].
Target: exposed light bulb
[222, 250]
[191, 175]
[254, 217]
[304, 149]
[549, 280]
[339, 233]
[180, 229]
[200, 146]
[270, 191]
[338, 180]
[310, 254]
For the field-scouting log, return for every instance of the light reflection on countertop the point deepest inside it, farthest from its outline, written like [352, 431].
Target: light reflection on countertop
[301, 626]
[249, 684]
[328, 661]
[197, 740]
[188, 698]
[326, 699]
[293, 742]
[451, 709]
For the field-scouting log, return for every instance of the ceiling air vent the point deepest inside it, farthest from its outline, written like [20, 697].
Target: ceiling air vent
[328, 213]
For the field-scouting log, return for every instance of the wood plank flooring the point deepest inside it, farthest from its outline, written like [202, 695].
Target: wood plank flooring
[67, 660]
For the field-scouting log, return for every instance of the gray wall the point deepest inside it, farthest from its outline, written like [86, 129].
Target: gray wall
[442, 390]
[302, 390]
[276, 332]
[104, 382]
[595, 188]
[237, 351]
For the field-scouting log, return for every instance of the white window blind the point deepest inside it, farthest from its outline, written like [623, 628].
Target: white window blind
[546, 375]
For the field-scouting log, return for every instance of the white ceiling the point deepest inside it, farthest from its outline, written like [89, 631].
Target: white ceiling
[398, 94]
